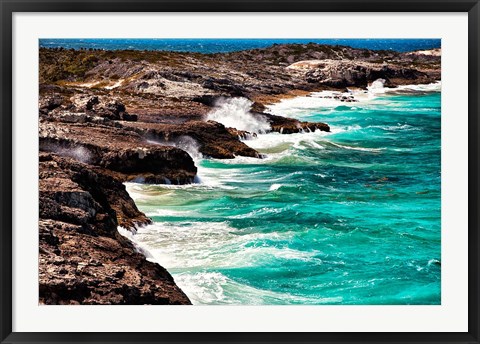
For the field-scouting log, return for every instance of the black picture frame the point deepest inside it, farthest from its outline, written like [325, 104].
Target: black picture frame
[8, 7]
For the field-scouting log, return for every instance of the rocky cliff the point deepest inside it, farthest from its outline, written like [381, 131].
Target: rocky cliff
[82, 257]
[106, 117]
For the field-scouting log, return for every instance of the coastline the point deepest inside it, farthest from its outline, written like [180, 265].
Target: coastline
[119, 134]
[411, 89]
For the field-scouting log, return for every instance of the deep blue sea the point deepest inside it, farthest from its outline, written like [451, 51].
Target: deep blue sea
[347, 217]
[228, 45]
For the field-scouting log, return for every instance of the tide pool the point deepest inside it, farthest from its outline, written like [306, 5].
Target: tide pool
[347, 217]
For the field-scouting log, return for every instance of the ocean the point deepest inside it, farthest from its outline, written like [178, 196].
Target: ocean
[202, 45]
[347, 217]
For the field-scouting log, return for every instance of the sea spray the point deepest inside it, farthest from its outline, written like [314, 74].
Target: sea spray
[378, 86]
[328, 103]
[235, 113]
[346, 217]
[78, 153]
[186, 143]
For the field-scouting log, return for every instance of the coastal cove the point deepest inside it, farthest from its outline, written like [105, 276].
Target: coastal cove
[296, 173]
[316, 221]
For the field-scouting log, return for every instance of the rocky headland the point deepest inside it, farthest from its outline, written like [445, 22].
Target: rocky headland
[107, 117]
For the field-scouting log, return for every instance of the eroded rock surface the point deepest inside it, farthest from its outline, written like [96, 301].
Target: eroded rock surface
[82, 257]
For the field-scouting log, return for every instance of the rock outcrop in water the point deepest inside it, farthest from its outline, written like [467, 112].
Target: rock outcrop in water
[106, 117]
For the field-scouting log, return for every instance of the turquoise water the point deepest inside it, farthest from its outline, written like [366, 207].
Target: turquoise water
[347, 217]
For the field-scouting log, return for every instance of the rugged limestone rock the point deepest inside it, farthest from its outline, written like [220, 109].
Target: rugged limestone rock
[342, 74]
[211, 139]
[94, 105]
[241, 134]
[82, 257]
[50, 103]
[168, 86]
[119, 150]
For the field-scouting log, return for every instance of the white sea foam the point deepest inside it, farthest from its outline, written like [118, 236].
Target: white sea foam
[377, 86]
[166, 242]
[136, 191]
[323, 101]
[186, 143]
[216, 288]
[235, 113]
[138, 246]
[275, 187]
[272, 140]
[170, 213]
[433, 87]
[357, 148]
[302, 107]
[336, 130]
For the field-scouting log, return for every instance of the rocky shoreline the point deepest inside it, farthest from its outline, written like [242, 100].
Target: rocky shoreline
[107, 117]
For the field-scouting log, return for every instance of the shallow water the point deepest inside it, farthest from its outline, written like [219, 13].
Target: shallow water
[347, 217]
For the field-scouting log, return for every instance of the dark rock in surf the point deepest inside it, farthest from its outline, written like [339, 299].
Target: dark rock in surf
[285, 125]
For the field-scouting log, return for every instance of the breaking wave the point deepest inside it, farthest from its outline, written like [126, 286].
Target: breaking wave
[235, 113]
[327, 103]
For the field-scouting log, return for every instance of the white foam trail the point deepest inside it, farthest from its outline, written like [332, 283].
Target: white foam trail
[433, 87]
[282, 142]
[377, 87]
[275, 187]
[357, 148]
[397, 127]
[309, 106]
[166, 242]
[235, 113]
[169, 212]
[336, 130]
[216, 288]
[301, 107]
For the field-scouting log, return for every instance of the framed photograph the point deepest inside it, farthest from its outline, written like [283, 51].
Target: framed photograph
[268, 171]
